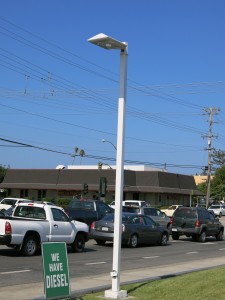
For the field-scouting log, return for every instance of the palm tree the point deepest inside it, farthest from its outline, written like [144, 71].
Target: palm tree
[82, 153]
[74, 156]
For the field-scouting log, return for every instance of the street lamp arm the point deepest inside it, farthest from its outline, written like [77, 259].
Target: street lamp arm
[106, 141]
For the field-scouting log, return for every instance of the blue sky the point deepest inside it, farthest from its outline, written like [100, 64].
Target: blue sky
[58, 92]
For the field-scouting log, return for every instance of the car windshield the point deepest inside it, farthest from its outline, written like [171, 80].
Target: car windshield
[185, 212]
[87, 205]
[131, 209]
[215, 206]
[110, 218]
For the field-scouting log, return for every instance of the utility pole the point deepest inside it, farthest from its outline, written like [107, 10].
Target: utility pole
[210, 111]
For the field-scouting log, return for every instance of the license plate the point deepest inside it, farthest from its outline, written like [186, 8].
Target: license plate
[174, 229]
[105, 229]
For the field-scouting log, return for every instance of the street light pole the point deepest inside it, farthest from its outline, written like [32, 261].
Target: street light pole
[107, 42]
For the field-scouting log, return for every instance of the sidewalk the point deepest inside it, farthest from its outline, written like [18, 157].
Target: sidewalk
[81, 286]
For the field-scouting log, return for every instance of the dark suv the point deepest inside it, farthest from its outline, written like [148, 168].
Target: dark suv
[196, 222]
[87, 211]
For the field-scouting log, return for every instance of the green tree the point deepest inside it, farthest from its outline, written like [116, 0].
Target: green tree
[218, 158]
[202, 187]
[76, 149]
[82, 154]
[218, 184]
[3, 170]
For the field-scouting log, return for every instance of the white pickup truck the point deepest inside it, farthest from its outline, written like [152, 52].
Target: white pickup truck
[31, 224]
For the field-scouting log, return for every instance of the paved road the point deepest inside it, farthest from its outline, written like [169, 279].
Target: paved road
[16, 269]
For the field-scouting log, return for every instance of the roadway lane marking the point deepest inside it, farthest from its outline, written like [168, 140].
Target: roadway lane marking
[150, 256]
[12, 272]
[96, 263]
[222, 249]
[177, 241]
[208, 243]
[193, 252]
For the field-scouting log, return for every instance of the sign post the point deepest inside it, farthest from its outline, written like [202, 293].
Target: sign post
[56, 272]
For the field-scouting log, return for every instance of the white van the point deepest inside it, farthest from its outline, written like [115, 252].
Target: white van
[138, 203]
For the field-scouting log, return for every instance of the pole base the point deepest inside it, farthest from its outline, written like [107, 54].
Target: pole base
[115, 294]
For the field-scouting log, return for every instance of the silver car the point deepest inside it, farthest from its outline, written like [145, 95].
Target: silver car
[218, 209]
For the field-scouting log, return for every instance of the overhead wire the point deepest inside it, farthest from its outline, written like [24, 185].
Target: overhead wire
[101, 157]
[152, 117]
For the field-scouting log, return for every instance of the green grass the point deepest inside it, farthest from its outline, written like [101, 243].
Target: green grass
[201, 285]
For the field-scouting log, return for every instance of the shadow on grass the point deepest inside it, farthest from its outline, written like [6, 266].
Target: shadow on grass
[135, 288]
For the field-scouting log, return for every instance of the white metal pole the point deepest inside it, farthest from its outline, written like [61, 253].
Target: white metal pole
[116, 293]
[107, 42]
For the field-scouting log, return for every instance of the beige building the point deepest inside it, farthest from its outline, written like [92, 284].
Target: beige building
[201, 179]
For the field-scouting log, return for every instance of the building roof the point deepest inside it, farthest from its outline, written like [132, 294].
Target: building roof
[70, 179]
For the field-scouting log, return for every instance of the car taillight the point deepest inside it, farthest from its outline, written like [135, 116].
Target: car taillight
[197, 223]
[171, 220]
[93, 225]
[8, 228]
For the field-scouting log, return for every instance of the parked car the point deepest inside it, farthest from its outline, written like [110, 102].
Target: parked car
[8, 202]
[169, 211]
[196, 222]
[136, 229]
[156, 214]
[218, 209]
[88, 211]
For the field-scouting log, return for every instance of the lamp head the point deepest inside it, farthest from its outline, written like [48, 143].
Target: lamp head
[107, 42]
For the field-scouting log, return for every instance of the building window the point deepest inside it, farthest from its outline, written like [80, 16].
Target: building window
[135, 196]
[23, 193]
[41, 194]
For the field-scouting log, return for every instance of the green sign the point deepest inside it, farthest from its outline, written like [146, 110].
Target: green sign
[56, 271]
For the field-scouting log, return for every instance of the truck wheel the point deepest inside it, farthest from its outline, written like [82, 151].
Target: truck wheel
[133, 241]
[219, 236]
[202, 237]
[30, 246]
[79, 243]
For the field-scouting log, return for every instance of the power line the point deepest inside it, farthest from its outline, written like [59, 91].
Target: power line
[102, 157]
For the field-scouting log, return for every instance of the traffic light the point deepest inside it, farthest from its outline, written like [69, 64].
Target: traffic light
[103, 186]
[100, 165]
[85, 188]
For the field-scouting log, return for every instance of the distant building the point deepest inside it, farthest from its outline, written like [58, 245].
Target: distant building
[201, 179]
[156, 187]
